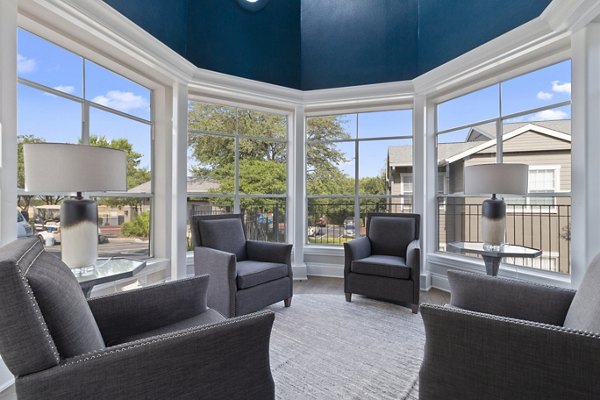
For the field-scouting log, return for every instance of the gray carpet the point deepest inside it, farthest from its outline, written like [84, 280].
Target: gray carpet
[325, 348]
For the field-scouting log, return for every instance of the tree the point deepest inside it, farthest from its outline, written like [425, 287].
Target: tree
[136, 175]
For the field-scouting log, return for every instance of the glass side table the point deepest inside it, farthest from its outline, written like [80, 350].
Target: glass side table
[492, 255]
[106, 270]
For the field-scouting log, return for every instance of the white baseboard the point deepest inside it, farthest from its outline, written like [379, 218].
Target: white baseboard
[326, 270]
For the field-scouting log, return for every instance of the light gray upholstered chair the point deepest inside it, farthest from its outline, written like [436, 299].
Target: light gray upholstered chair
[508, 339]
[245, 275]
[158, 342]
[386, 263]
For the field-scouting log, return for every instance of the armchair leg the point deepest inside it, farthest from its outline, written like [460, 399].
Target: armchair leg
[348, 297]
[415, 308]
[287, 302]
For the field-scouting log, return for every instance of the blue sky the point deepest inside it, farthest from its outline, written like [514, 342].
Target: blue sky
[57, 119]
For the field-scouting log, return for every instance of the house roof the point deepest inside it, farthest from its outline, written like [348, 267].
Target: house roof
[194, 185]
[450, 152]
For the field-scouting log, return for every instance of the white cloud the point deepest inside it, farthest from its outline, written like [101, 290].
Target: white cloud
[544, 95]
[65, 88]
[25, 65]
[123, 101]
[549, 115]
[564, 87]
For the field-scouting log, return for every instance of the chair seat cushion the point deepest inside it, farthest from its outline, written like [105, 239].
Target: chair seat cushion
[252, 273]
[210, 316]
[388, 266]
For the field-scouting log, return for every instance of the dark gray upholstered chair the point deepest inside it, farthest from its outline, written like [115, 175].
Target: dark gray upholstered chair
[385, 264]
[245, 275]
[507, 339]
[159, 342]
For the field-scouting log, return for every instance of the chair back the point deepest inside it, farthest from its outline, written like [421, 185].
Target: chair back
[221, 232]
[391, 233]
[44, 316]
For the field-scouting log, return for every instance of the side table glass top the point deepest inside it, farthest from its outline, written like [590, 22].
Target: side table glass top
[106, 270]
[505, 250]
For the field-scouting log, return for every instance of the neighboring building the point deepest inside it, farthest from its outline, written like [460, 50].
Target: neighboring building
[545, 146]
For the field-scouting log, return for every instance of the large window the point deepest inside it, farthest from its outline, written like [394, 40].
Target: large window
[356, 164]
[526, 119]
[65, 98]
[237, 162]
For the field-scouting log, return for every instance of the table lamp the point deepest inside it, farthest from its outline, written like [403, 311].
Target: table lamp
[495, 179]
[68, 168]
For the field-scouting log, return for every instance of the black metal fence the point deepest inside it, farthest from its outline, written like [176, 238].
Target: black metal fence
[544, 226]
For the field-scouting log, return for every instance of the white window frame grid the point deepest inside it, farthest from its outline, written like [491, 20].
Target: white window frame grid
[236, 136]
[86, 106]
[498, 121]
[357, 196]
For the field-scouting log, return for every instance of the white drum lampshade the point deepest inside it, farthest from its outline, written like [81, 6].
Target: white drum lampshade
[68, 168]
[495, 179]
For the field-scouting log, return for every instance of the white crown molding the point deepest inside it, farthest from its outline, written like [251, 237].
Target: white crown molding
[217, 85]
[530, 41]
[571, 15]
[108, 27]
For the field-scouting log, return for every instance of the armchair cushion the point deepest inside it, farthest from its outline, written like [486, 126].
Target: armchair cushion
[584, 312]
[253, 273]
[390, 235]
[207, 317]
[388, 266]
[226, 234]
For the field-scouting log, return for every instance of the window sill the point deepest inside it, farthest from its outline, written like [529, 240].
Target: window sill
[440, 263]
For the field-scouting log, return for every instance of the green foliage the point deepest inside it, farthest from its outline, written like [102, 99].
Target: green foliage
[137, 227]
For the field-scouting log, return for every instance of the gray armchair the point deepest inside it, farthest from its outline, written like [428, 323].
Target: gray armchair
[245, 275]
[159, 342]
[385, 264]
[507, 339]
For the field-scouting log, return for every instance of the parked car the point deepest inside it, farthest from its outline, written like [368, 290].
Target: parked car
[24, 229]
[349, 228]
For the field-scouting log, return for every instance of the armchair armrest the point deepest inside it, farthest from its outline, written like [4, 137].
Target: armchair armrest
[128, 313]
[227, 360]
[356, 249]
[221, 266]
[509, 297]
[470, 355]
[413, 256]
[269, 251]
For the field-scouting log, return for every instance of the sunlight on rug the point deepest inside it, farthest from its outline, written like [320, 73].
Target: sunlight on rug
[325, 348]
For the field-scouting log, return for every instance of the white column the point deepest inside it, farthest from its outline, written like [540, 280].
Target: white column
[179, 179]
[297, 194]
[585, 182]
[425, 180]
[162, 185]
[8, 120]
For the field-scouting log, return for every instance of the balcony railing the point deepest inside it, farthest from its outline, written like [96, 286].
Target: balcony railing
[330, 221]
[542, 223]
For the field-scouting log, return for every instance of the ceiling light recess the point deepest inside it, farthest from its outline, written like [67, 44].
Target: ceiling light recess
[253, 5]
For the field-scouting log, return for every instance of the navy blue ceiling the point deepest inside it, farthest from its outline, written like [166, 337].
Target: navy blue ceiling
[318, 44]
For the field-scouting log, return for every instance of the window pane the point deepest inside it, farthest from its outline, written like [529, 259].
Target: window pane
[537, 89]
[111, 130]
[111, 90]
[259, 124]
[212, 158]
[43, 62]
[330, 221]
[211, 118]
[330, 168]
[385, 123]
[377, 156]
[554, 118]
[123, 225]
[331, 127]
[45, 116]
[262, 166]
[473, 107]
[264, 218]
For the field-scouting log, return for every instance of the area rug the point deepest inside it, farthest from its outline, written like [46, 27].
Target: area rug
[323, 347]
